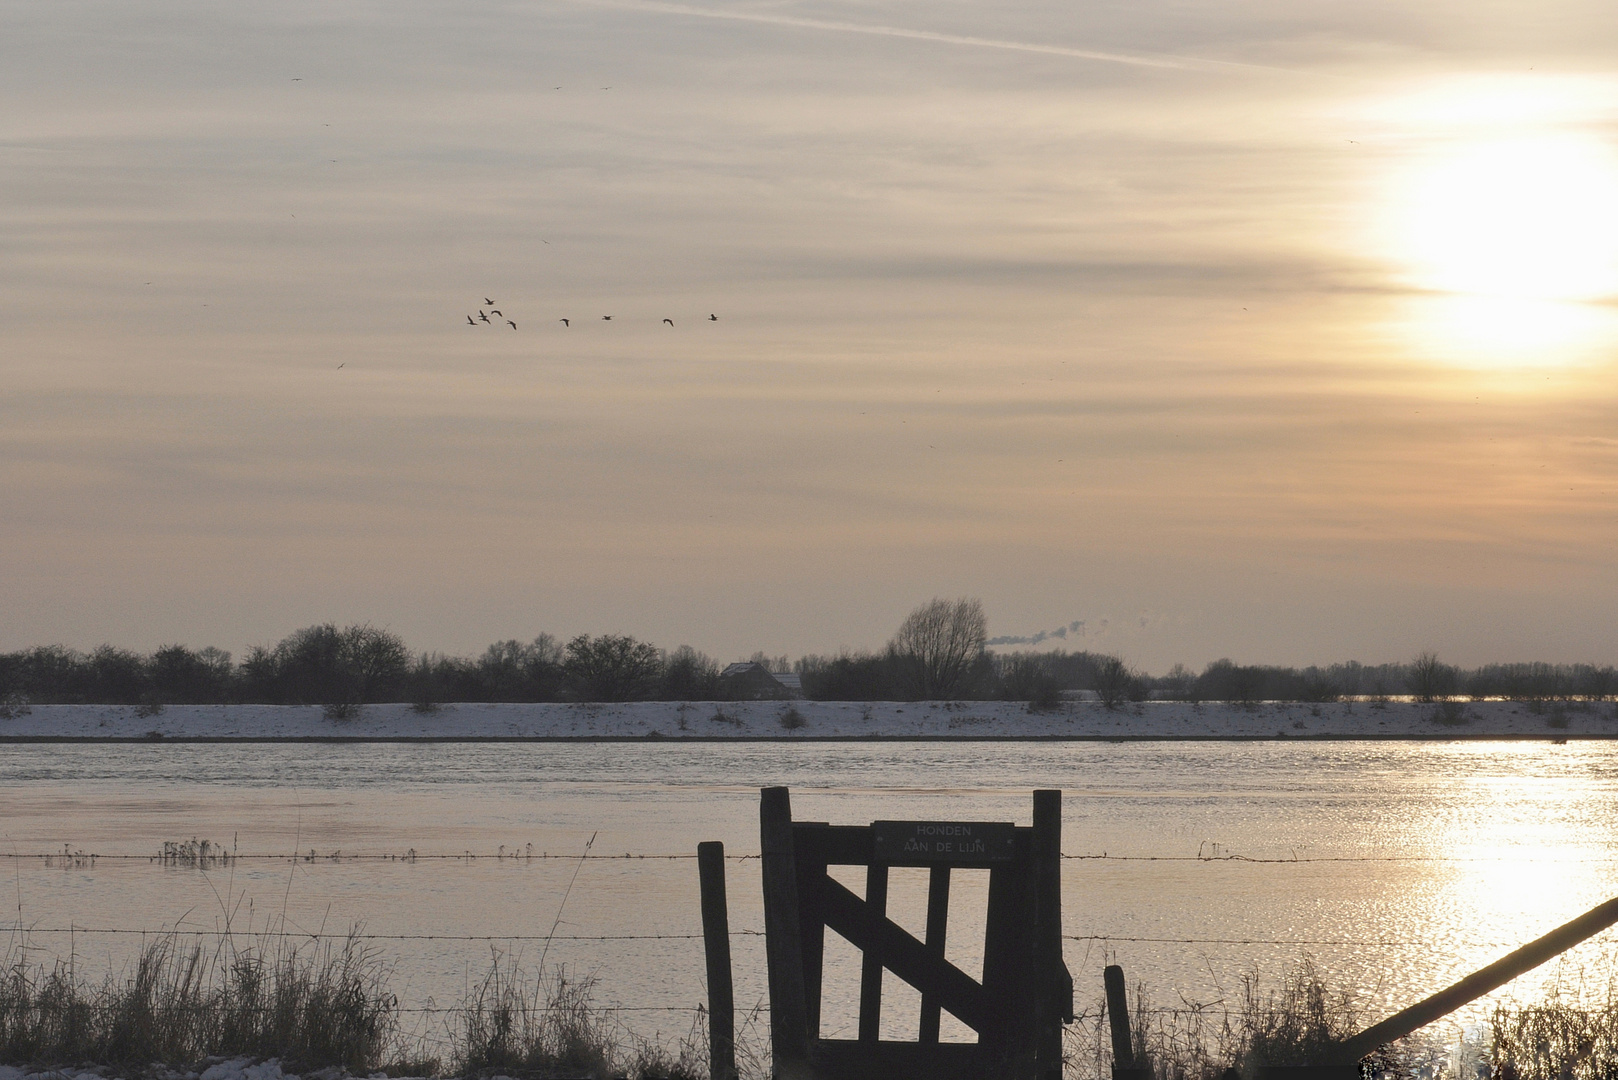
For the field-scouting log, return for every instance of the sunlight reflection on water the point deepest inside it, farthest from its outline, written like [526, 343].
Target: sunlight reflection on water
[1452, 853]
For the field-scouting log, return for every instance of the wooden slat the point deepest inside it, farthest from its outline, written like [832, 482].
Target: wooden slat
[906, 957]
[851, 845]
[876, 898]
[937, 925]
[812, 934]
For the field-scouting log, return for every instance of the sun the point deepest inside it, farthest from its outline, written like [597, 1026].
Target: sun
[1521, 219]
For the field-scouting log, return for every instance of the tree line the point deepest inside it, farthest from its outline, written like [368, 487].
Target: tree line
[938, 652]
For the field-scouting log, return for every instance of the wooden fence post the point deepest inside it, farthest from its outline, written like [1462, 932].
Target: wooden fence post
[783, 940]
[1047, 936]
[716, 942]
[1124, 1066]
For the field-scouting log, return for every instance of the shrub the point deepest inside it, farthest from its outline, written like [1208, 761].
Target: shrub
[1116, 683]
[792, 719]
[1450, 714]
[1027, 677]
[690, 675]
[13, 706]
[341, 710]
[849, 677]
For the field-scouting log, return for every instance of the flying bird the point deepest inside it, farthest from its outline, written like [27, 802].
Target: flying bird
[511, 324]
[669, 321]
[493, 311]
[713, 318]
[486, 300]
[471, 321]
[482, 317]
[606, 318]
[564, 322]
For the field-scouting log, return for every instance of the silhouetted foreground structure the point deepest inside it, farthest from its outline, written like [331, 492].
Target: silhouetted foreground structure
[1017, 1010]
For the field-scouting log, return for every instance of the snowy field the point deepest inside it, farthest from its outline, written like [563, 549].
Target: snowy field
[827, 720]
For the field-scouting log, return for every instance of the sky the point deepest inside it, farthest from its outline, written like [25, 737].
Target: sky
[1274, 330]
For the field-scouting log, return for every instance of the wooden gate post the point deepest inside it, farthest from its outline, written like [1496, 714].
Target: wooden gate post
[1049, 1011]
[789, 1011]
[716, 942]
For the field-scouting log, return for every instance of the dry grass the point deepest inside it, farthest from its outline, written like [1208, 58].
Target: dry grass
[550, 1027]
[1555, 1041]
[317, 1005]
[1297, 1022]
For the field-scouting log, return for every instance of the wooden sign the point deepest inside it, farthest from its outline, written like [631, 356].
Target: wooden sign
[947, 843]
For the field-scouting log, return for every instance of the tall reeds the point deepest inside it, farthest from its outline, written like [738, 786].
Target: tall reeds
[323, 1003]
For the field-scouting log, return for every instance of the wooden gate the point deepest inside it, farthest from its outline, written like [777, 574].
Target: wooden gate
[1025, 995]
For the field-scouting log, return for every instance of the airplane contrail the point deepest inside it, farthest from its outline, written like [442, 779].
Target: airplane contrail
[1165, 60]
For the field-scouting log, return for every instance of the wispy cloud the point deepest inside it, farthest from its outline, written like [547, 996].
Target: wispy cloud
[1150, 60]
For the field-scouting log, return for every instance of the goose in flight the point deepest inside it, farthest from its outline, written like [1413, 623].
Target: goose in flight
[564, 322]
[669, 321]
[511, 324]
[482, 317]
[494, 311]
[486, 300]
[471, 321]
[606, 318]
[713, 318]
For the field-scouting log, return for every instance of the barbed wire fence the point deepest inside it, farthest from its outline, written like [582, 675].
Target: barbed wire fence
[203, 858]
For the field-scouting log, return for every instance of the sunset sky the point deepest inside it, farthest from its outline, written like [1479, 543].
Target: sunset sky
[1283, 331]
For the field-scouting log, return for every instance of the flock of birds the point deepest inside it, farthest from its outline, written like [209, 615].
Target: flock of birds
[482, 317]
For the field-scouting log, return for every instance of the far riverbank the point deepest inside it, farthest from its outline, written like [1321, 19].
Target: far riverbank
[822, 720]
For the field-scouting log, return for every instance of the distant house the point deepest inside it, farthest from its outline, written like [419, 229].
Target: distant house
[751, 681]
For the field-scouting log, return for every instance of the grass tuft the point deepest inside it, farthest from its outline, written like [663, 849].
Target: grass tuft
[324, 1004]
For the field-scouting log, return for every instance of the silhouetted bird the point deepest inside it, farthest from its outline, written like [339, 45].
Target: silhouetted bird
[606, 318]
[713, 318]
[471, 321]
[669, 321]
[564, 322]
[486, 300]
[482, 317]
[511, 324]
[492, 311]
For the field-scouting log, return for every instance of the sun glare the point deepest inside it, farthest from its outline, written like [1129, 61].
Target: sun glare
[1504, 219]
[1519, 220]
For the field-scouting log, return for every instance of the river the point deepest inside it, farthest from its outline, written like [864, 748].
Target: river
[1395, 866]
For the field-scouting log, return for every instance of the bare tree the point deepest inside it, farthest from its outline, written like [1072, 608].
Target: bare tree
[612, 667]
[1430, 679]
[938, 645]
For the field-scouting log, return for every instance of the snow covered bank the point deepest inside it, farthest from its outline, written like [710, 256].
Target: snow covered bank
[800, 720]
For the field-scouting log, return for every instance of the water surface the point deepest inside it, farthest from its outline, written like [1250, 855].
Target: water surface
[1397, 867]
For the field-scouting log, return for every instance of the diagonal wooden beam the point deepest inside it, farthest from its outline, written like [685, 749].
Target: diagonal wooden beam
[953, 989]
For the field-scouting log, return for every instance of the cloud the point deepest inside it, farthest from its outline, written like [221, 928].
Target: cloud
[1160, 60]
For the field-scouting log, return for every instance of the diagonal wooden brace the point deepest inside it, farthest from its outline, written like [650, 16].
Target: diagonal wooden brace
[954, 990]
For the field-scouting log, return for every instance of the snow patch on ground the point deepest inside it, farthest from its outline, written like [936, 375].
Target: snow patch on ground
[826, 720]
